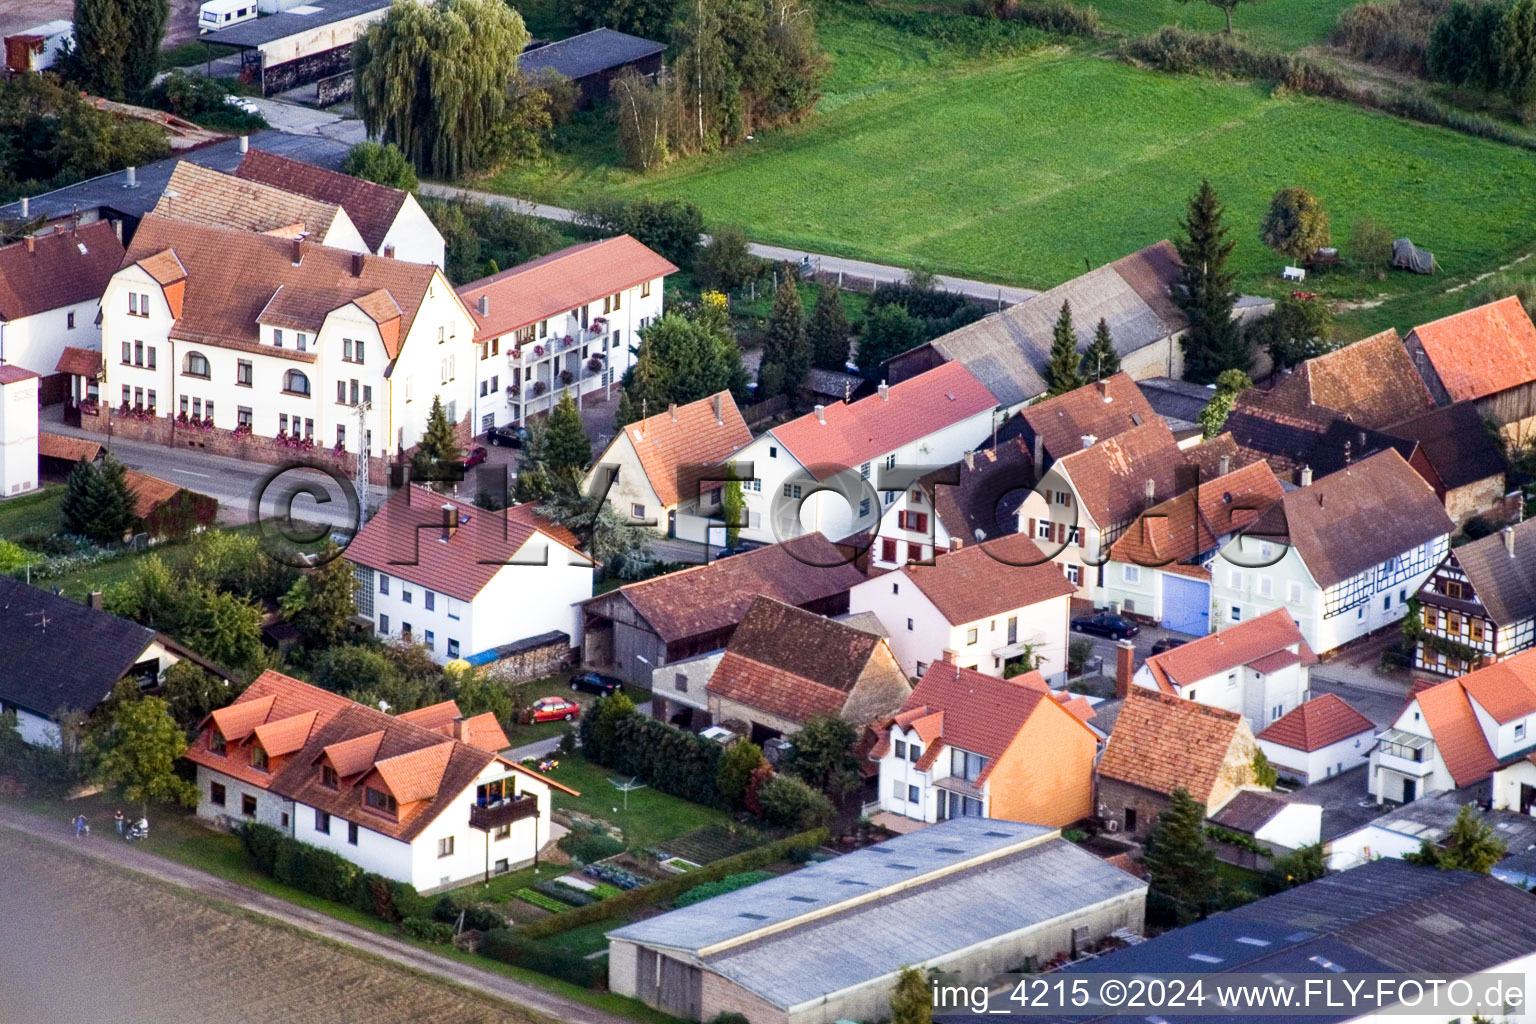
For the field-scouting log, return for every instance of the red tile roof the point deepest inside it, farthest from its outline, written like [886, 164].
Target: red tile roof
[673, 444]
[371, 207]
[1185, 526]
[1481, 351]
[82, 362]
[1247, 643]
[1505, 689]
[482, 730]
[73, 449]
[856, 432]
[713, 597]
[286, 735]
[1372, 381]
[61, 268]
[1453, 724]
[149, 492]
[232, 276]
[1111, 477]
[553, 284]
[272, 699]
[1161, 742]
[1317, 723]
[405, 539]
[355, 755]
[1103, 409]
[988, 578]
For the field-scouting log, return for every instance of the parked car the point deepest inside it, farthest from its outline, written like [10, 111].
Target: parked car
[242, 104]
[1167, 643]
[551, 709]
[596, 682]
[1106, 625]
[506, 437]
[476, 455]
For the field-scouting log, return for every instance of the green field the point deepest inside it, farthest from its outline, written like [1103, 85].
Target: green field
[1283, 26]
[1026, 169]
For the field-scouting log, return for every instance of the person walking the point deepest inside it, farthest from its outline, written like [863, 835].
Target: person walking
[117, 817]
[80, 825]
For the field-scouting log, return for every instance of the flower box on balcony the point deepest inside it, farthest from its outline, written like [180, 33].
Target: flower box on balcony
[539, 387]
[566, 376]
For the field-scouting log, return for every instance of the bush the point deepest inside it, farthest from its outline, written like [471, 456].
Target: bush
[982, 37]
[381, 163]
[729, 1017]
[726, 263]
[1047, 15]
[510, 947]
[324, 874]
[1396, 33]
[588, 844]
[476, 918]
[790, 803]
[730, 883]
[670, 226]
[671, 760]
[670, 888]
[427, 930]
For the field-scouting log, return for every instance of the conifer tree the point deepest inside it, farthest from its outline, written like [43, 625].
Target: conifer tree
[1061, 373]
[567, 449]
[828, 331]
[1101, 360]
[97, 501]
[1213, 342]
[438, 452]
[785, 344]
[1181, 871]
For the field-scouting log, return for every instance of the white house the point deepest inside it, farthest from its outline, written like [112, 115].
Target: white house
[61, 656]
[438, 571]
[1342, 555]
[1319, 739]
[50, 286]
[202, 195]
[569, 321]
[1160, 569]
[422, 798]
[970, 501]
[1271, 820]
[999, 608]
[1257, 668]
[391, 221]
[833, 469]
[277, 336]
[1476, 730]
[18, 430]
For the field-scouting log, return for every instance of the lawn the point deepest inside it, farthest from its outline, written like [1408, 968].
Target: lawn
[651, 816]
[1281, 26]
[1027, 169]
[38, 513]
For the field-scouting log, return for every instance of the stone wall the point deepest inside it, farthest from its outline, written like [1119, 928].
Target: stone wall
[291, 74]
[1115, 796]
[334, 89]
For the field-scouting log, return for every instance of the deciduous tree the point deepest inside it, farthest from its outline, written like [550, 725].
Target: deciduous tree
[911, 999]
[737, 764]
[644, 110]
[1297, 330]
[190, 692]
[1213, 342]
[382, 163]
[726, 261]
[1061, 373]
[1296, 225]
[135, 749]
[1213, 418]
[322, 601]
[116, 46]
[888, 331]
[1226, 7]
[823, 754]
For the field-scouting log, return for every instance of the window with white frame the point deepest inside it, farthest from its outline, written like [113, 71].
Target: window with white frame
[1132, 573]
[1266, 586]
[1075, 575]
[1293, 592]
[1235, 579]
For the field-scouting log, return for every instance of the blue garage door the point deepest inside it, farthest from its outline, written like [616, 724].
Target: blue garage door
[1186, 605]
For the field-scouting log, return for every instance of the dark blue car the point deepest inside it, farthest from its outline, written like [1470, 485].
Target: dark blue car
[1106, 625]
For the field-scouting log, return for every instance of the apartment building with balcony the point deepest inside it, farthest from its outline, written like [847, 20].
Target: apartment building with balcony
[569, 321]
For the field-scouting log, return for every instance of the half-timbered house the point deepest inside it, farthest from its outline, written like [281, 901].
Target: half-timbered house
[1480, 604]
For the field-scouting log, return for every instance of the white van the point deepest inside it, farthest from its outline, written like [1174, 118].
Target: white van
[219, 14]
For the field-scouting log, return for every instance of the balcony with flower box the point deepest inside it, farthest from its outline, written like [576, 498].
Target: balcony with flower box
[489, 816]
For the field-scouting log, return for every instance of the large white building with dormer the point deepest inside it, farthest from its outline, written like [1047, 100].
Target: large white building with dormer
[281, 338]
[569, 321]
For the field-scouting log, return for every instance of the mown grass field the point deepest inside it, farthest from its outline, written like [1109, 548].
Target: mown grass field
[1025, 169]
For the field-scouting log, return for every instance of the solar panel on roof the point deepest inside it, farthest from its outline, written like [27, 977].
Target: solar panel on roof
[1205, 958]
[802, 899]
[998, 835]
[947, 849]
[902, 867]
[754, 917]
[1249, 940]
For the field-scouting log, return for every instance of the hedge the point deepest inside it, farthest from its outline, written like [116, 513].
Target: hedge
[671, 760]
[329, 876]
[731, 883]
[670, 888]
[510, 947]
[427, 930]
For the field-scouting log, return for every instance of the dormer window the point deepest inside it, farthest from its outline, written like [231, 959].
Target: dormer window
[380, 801]
[303, 342]
[216, 742]
[277, 337]
[1519, 730]
[328, 777]
[258, 758]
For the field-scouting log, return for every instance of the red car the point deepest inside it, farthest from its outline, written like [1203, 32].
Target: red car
[475, 457]
[551, 709]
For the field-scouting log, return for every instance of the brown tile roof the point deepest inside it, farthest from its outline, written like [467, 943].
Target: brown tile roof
[82, 362]
[1249, 810]
[672, 444]
[791, 662]
[1161, 742]
[232, 276]
[405, 539]
[73, 449]
[563, 280]
[205, 196]
[1372, 381]
[10, 373]
[164, 266]
[1504, 582]
[148, 491]
[1185, 526]
[1317, 723]
[371, 207]
[976, 500]
[989, 578]
[1245, 643]
[856, 432]
[54, 272]
[1481, 351]
[1111, 477]
[976, 712]
[1208, 455]
[270, 700]
[1459, 447]
[712, 597]
[1103, 410]
[1355, 519]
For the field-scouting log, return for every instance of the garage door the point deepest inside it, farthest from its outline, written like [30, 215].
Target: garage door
[1186, 605]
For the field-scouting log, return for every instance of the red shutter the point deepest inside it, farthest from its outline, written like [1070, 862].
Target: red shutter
[1031, 529]
[901, 520]
[887, 550]
[921, 519]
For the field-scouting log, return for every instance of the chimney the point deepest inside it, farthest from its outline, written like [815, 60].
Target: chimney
[298, 251]
[970, 460]
[1509, 540]
[483, 305]
[1306, 476]
[26, 206]
[1151, 491]
[31, 244]
[461, 729]
[885, 392]
[133, 178]
[1125, 662]
[245, 144]
[947, 656]
[1089, 440]
[389, 251]
[821, 413]
[450, 522]
[117, 229]
[95, 600]
[357, 264]
[1039, 456]
[1225, 466]
[956, 543]
[672, 411]
[718, 408]
[1103, 387]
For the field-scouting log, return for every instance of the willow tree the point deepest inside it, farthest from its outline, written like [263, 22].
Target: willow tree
[437, 80]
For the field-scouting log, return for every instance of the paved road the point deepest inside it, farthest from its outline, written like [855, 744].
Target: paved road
[982, 291]
[122, 855]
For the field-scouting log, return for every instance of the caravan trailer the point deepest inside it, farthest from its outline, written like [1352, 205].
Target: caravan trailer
[220, 14]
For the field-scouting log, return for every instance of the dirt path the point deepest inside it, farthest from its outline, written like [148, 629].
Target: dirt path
[136, 941]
